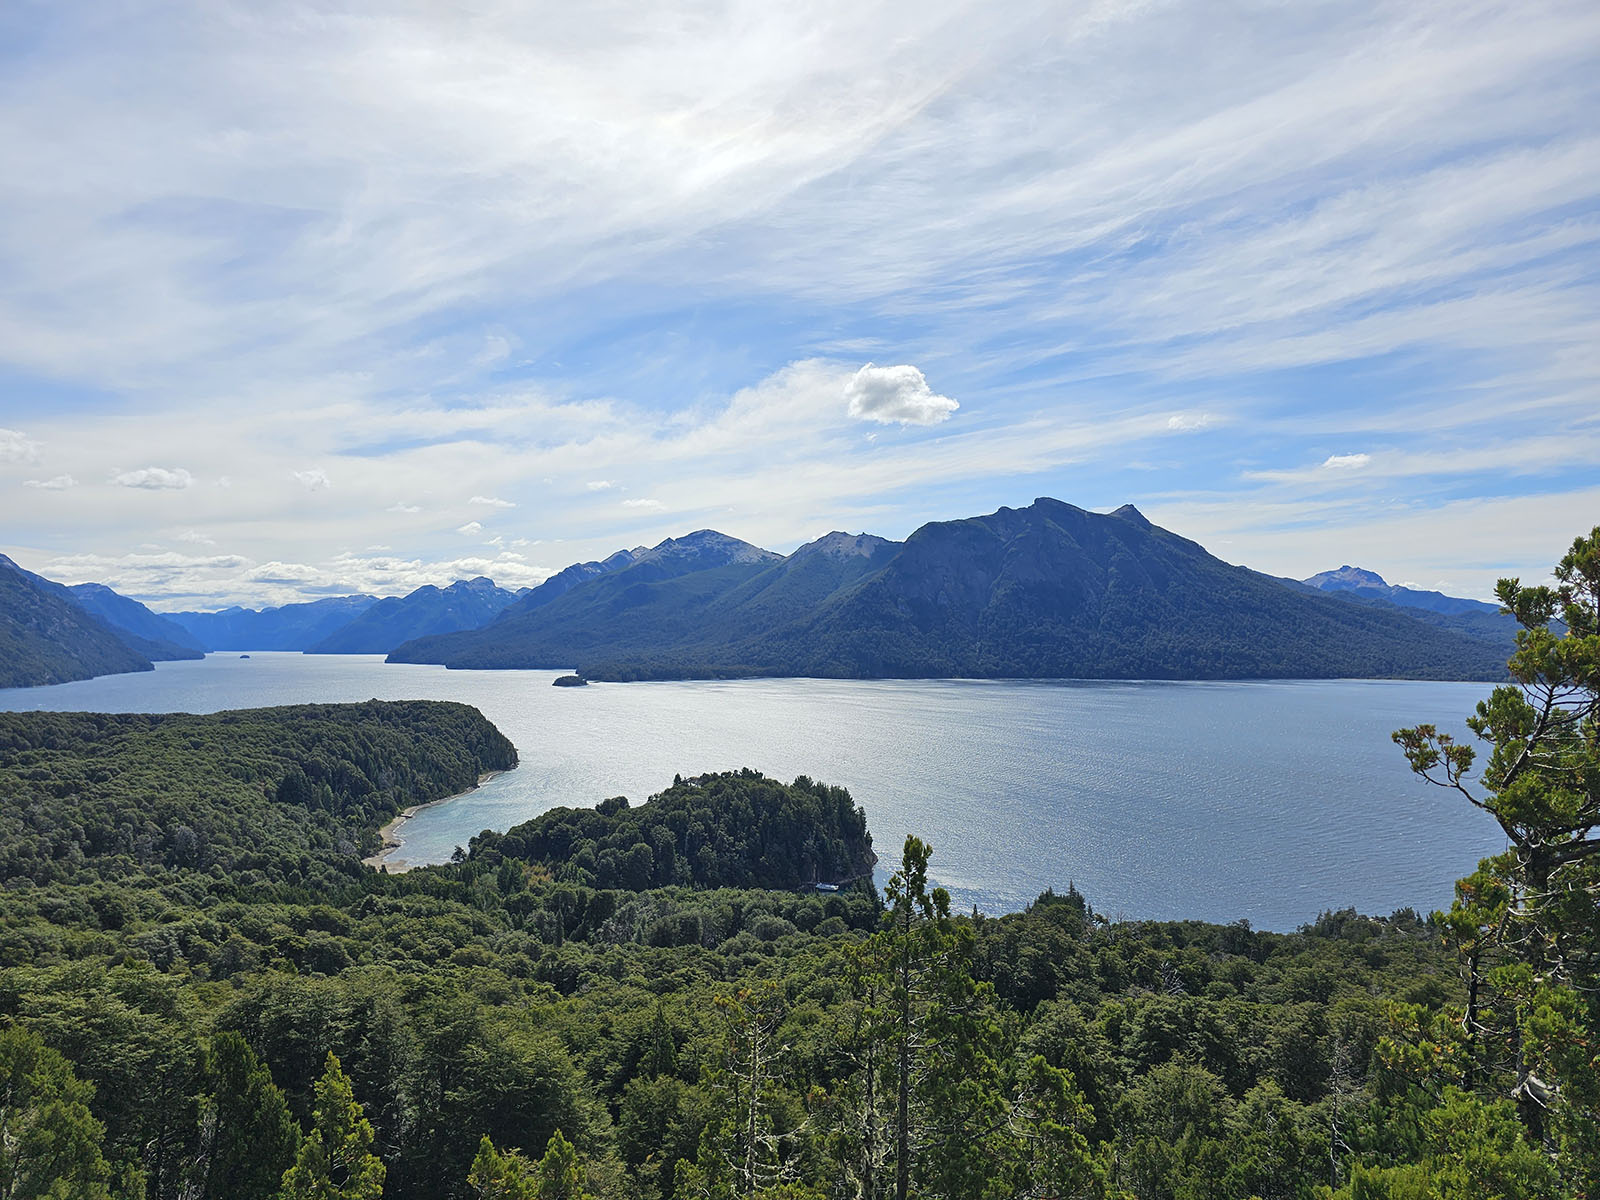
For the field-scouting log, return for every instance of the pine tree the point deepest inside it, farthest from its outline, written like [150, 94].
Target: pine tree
[560, 1176]
[336, 1162]
[50, 1145]
[248, 1136]
[502, 1176]
[1539, 903]
[1057, 1162]
[741, 1152]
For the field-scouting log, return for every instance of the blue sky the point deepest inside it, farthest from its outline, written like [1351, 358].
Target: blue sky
[320, 297]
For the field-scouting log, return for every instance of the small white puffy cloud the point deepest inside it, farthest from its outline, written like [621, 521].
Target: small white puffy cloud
[896, 395]
[400, 506]
[58, 483]
[651, 504]
[195, 538]
[314, 479]
[1189, 422]
[155, 479]
[1346, 462]
[600, 485]
[492, 502]
[470, 527]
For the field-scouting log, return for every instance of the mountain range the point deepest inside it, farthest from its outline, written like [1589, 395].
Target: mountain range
[1047, 591]
[1474, 618]
[286, 627]
[47, 637]
[465, 604]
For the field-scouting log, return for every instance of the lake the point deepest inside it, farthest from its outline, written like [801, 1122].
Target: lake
[1267, 801]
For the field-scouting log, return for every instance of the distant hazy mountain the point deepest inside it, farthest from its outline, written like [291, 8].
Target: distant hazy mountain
[289, 627]
[1475, 618]
[47, 638]
[651, 598]
[1040, 592]
[465, 604]
[156, 637]
[1371, 585]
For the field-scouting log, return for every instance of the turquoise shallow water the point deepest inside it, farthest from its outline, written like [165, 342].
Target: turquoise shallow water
[1268, 801]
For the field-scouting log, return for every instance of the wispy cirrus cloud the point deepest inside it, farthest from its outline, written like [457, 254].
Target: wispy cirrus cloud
[1345, 230]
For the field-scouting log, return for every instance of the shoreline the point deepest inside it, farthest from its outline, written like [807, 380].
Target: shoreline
[390, 833]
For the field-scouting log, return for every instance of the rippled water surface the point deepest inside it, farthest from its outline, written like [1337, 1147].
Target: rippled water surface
[1267, 801]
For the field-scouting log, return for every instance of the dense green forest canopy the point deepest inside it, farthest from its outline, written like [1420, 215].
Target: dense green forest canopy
[736, 829]
[269, 791]
[515, 1024]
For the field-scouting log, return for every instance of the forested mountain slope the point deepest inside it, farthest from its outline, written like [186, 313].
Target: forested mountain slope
[47, 638]
[659, 597]
[151, 634]
[1040, 592]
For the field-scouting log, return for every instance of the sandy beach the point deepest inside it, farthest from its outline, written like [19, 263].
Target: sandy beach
[390, 833]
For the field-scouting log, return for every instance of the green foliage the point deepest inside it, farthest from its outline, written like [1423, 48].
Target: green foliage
[50, 1144]
[502, 1176]
[249, 1138]
[560, 1175]
[735, 829]
[91, 797]
[336, 1161]
[1042, 1053]
[1527, 923]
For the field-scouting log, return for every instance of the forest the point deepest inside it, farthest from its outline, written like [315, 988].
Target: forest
[204, 994]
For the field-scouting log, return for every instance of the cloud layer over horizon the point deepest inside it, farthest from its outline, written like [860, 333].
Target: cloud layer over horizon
[1309, 284]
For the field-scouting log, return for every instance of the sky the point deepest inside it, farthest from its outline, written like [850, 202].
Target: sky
[302, 299]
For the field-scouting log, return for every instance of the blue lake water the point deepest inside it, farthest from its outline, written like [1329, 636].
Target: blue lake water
[1269, 801]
